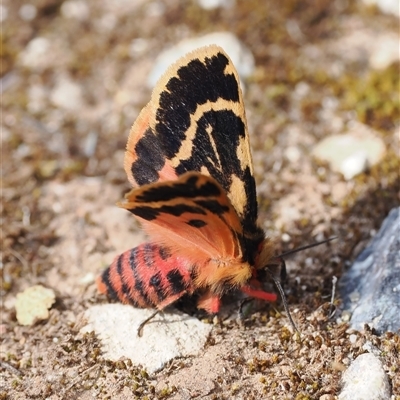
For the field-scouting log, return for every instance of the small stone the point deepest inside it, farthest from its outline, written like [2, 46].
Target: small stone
[386, 53]
[33, 304]
[241, 57]
[352, 338]
[370, 348]
[90, 143]
[327, 397]
[164, 337]
[137, 47]
[67, 94]
[28, 12]
[293, 154]
[88, 279]
[75, 9]
[37, 98]
[386, 6]
[365, 379]
[352, 152]
[212, 4]
[35, 53]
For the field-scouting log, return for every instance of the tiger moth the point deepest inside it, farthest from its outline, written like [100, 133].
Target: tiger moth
[188, 159]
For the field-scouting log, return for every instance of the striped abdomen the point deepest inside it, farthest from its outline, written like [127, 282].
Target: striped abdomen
[147, 276]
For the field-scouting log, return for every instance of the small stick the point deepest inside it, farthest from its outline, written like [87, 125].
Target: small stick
[332, 306]
[9, 367]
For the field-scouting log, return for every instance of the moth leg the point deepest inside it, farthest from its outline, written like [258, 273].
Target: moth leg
[142, 324]
[209, 302]
[259, 294]
[167, 302]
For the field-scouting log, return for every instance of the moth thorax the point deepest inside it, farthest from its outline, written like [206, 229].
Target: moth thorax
[221, 275]
[266, 253]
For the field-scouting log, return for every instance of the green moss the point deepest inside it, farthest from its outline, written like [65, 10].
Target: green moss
[374, 98]
[302, 396]
[15, 383]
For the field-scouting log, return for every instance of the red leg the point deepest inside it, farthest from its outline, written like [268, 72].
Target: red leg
[210, 303]
[259, 294]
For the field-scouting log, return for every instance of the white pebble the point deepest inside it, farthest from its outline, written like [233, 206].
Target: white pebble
[292, 153]
[351, 153]
[138, 46]
[352, 338]
[354, 164]
[87, 279]
[34, 53]
[165, 337]
[67, 94]
[386, 6]
[302, 89]
[33, 304]
[212, 4]
[386, 53]
[75, 9]
[28, 12]
[365, 379]
[37, 96]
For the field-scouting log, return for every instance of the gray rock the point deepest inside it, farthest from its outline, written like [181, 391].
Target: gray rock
[370, 289]
[365, 379]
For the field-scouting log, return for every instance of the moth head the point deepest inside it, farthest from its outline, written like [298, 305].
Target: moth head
[266, 255]
[268, 263]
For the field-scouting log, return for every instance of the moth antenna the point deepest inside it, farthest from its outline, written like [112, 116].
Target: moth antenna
[142, 324]
[283, 297]
[283, 269]
[287, 253]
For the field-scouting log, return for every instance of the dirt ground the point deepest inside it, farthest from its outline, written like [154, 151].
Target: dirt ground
[62, 173]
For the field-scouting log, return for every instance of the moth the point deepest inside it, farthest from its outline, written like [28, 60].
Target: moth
[188, 159]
